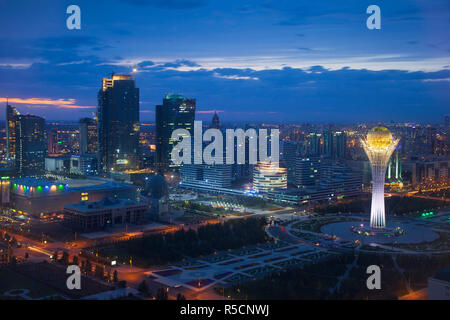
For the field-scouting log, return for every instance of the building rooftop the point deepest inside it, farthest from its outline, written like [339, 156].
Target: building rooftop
[72, 184]
[156, 187]
[106, 203]
[34, 182]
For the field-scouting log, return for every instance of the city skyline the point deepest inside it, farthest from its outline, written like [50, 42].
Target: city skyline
[281, 62]
[230, 151]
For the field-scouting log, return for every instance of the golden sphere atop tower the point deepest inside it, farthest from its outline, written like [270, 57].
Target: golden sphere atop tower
[379, 138]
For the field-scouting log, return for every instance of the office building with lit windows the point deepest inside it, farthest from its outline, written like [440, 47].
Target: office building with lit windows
[42, 197]
[88, 136]
[30, 146]
[206, 176]
[176, 112]
[118, 124]
[329, 144]
[11, 116]
[288, 154]
[307, 171]
[268, 177]
[85, 164]
[105, 213]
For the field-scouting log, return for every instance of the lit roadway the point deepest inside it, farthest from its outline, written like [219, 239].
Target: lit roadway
[415, 195]
[39, 251]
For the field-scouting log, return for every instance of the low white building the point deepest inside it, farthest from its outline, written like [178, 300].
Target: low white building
[57, 164]
[105, 213]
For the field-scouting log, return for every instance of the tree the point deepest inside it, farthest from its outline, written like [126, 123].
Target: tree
[143, 288]
[13, 260]
[181, 297]
[161, 294]
[55, 256]
[88, 267]
[99, 271]
[65, 258]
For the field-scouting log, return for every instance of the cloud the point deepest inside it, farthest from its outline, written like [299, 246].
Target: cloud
[60, 103]
[208, 111]
[168, 4]
[66, 42]
[234, 77]
[387, 61]
[16, 65]
[73, 62]
[436, 80]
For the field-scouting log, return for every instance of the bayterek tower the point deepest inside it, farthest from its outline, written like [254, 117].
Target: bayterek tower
[378, 145]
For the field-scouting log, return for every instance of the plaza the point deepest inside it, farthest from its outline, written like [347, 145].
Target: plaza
[228, 267]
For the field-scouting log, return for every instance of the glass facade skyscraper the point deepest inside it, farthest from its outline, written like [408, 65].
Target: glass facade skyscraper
[118, 124]
[11, 116]
[30, 145]
[176, 112]
[88, 136]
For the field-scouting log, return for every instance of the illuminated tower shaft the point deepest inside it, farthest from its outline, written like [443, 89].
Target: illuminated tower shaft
[377, 211]
[378, 157]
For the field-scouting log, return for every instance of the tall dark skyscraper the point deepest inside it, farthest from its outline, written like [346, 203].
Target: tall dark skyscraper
[176, 112]
[215, 123]
[341, 145]
[11, 116]
[88, 136]
[327, 144]
[30, 145]
[118, 124]
[53, 141]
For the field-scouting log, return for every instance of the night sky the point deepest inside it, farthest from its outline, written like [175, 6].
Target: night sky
[280, 61]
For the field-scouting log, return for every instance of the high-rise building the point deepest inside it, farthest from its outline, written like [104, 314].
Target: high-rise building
[118, 124]
[288, 154]
[30, 145]
[328, 143]
[176, 112]
[88, 136]
[268, 177]
[378, 145]
[340, 149]
[394, 170]
[215, 123]
[307, 171]
[11, 115]
[205, 176]
[53, 141]
[315, 144]
[427, 171]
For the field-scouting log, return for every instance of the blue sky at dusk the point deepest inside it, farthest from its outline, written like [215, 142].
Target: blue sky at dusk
[279, 61]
